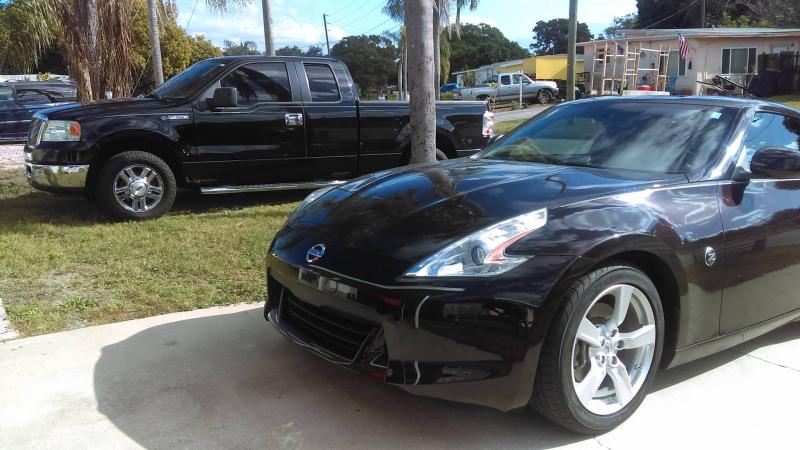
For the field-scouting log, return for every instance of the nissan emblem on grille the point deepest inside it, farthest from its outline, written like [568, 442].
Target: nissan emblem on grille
[315, 253]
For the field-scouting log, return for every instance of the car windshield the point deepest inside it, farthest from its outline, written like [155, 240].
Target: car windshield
[190, 80]
[632, 135]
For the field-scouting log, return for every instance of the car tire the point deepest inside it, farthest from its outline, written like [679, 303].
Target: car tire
[136, 185]
[544, 97]
[441, 156]
[577, 383]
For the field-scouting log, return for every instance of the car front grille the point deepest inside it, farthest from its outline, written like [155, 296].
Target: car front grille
[335, 332]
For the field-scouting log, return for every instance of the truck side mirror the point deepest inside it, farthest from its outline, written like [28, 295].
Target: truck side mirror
[776, 163]
[224, 97]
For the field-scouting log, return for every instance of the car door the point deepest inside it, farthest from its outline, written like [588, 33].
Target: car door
[761, 218]
[262, 140]
[331, 118]
[505, 90]
[9, 114]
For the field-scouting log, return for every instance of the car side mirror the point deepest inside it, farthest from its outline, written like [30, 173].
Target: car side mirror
[775, 163]
[224, 97]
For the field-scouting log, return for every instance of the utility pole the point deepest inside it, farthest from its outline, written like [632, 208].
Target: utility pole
[572, 31]
[327, 42]
[702, 13]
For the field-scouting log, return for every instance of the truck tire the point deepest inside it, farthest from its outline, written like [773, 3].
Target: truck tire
[135, 185]
[544, 97]
[440, 155]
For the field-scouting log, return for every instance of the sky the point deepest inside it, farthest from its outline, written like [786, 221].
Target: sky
[299, 22]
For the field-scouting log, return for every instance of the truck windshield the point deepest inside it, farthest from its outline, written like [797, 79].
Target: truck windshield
[190, 80]
[632, 135]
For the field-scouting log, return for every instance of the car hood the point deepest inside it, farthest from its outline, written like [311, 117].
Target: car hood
[111, 107]
[410, 212]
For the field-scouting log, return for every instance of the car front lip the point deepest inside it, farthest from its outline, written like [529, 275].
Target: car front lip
[405, 343]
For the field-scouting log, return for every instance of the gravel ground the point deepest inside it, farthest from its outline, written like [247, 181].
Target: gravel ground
[11, 156]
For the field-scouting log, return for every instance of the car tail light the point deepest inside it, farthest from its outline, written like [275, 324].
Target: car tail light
[488, 124]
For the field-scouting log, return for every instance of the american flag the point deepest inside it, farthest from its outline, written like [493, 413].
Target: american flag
[683, 51]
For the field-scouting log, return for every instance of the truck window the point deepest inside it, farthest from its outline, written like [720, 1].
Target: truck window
[322, 83]
[35, 97]
[505, 80]
[6, 97]
[517, 77]
[260, 82]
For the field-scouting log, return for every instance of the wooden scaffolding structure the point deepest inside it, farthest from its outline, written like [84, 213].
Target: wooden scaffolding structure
[629, 59]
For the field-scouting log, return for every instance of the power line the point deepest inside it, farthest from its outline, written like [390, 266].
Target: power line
[186, 28]
[673, 14]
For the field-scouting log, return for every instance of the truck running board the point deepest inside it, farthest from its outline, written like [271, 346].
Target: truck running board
[269, 187]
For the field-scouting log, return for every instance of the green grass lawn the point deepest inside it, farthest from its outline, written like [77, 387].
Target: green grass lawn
[790, 100]
[63, 265]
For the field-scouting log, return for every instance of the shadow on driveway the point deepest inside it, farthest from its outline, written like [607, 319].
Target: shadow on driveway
[231, 381]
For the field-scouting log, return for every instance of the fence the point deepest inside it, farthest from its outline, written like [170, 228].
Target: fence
[788, 63]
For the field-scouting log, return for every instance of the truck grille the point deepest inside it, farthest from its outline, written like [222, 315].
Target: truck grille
[340, 334]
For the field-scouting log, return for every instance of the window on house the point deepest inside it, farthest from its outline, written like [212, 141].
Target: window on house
[738, 61]
[676, 67]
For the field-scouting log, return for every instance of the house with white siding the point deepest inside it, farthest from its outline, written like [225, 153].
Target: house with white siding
[651, 57]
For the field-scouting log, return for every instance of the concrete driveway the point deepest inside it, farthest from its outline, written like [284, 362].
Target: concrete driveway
[223, 378]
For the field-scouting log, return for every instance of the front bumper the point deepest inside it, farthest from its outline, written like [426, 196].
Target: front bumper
[472, 342]
[56, 178]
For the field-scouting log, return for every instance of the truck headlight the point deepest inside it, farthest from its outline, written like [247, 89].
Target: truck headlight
[482, 253]
[61, 131]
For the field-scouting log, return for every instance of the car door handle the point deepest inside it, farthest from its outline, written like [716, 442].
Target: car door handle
[294, 120]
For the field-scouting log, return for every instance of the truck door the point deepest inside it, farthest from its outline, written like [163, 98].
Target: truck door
[260, 141]
[505, 88]
[331, 115]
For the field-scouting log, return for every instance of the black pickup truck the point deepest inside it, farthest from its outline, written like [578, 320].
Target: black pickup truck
[233, 124]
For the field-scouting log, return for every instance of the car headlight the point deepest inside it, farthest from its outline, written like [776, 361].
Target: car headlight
[61, 131]
[482, 253]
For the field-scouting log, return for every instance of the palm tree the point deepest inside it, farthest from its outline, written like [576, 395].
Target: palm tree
[94, 36]
[399, 38]
[460, 5]
[269, 47]
[155, 7]
[419, 23]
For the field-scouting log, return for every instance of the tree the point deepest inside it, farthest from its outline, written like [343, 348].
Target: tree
[550, 38]
[669, 14]
[481, 45]
[231, 48]
[371, 60]
[419, 23]
[156, 11]
[294, 50]
[94, 36]
[460, 5]
[202, 49]
[626, 22]
[269, 46]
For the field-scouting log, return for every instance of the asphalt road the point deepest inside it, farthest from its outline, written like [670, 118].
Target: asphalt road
[527, 113]
[223, 378]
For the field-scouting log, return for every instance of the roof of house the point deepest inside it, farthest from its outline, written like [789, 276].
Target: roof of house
[698, 33]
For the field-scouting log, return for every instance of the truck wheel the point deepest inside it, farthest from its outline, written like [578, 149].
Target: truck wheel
[136, 186]
[440, 155]
[544, 97]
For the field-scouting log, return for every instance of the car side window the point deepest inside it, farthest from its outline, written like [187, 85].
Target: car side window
[322, 83]
[771, 130]
[6, 97]
[260, 83]
[505, 80]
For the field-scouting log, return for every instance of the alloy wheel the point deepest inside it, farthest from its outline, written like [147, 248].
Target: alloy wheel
[138, 188]
[613, 349]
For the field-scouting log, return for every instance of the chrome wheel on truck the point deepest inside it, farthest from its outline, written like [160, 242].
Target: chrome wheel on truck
[135, 185]
[138, 188]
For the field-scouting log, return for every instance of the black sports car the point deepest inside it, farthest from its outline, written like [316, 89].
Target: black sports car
[561, 267]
